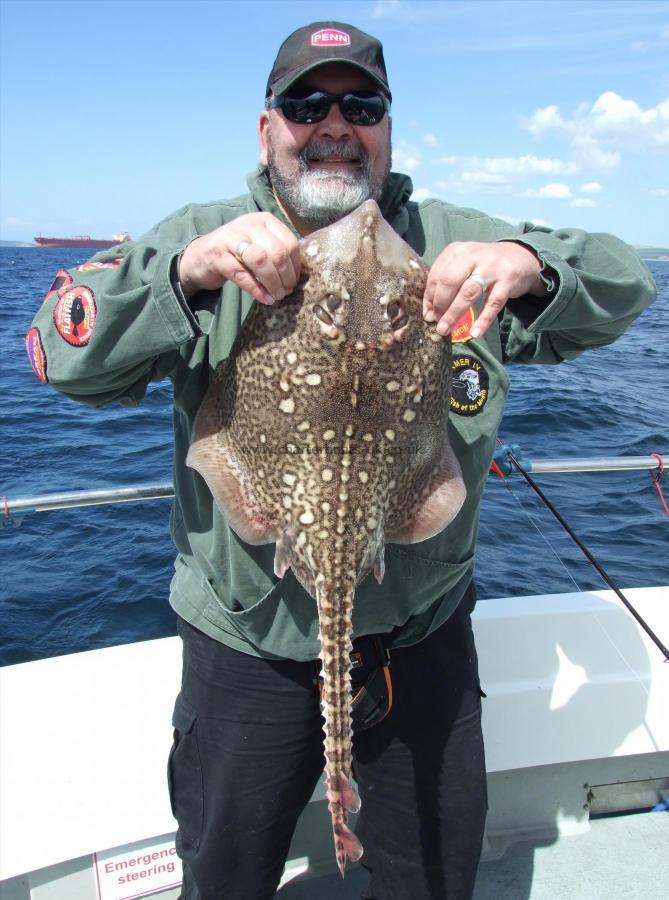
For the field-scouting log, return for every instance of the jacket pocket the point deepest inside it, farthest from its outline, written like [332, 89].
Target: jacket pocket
[410, 589]
[282, 623]
[184, 779]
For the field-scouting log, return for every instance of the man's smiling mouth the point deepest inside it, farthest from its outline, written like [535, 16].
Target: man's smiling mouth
[334, 161]
[333, 156]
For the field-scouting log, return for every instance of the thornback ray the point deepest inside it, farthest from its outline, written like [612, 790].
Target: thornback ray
[325, 431]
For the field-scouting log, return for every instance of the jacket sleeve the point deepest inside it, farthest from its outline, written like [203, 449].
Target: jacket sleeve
[601, 286]
[110, 326]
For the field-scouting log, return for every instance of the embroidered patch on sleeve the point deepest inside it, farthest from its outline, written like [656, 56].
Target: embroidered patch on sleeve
[460, 331]
[36, 354]
[470, 386]
[60, 283]
[92, 266]
[75, 314]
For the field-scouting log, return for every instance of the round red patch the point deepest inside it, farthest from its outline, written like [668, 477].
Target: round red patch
[75, 314]
[61, 282]
[36, 354]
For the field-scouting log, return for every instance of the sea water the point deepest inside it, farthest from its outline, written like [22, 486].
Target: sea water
[99, 576]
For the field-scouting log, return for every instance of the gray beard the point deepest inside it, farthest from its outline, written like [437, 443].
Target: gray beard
[319, 198]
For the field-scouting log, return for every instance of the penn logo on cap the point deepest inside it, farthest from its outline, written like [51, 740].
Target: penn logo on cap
[330, 37]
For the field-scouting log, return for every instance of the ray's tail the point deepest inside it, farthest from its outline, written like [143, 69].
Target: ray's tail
[335, 612]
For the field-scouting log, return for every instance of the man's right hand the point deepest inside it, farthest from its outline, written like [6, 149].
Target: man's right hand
[270, 254]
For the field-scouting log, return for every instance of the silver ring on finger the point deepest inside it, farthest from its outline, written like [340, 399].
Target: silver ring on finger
[241, 248]
[480, 280]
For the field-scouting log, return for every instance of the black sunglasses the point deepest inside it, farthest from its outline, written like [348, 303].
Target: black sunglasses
[310, 106]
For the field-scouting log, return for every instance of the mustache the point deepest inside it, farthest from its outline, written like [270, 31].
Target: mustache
[333, 150]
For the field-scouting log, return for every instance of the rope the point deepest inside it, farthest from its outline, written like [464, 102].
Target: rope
[656, 480]
[591, 559]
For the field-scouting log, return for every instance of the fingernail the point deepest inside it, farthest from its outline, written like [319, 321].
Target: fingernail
[430, 315]
[443, 328]
[475, 331]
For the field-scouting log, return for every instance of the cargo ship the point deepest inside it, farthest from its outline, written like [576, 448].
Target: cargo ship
[83, 241]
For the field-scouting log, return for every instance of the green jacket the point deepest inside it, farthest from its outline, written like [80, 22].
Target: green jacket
[119, 325]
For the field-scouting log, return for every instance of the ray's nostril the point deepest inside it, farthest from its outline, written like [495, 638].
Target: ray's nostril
[333, 302]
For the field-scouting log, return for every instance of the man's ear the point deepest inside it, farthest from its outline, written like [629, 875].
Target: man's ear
[263, 128]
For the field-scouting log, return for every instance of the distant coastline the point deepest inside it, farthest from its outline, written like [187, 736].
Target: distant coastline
[653, 253]
[646, 253]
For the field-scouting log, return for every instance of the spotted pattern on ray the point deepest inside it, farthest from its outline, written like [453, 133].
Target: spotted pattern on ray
[340, 396]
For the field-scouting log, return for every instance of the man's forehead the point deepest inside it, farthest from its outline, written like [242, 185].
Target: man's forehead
[337, 75]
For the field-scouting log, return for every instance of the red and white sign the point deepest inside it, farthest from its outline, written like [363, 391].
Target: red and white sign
[136, 870]
[330, 37]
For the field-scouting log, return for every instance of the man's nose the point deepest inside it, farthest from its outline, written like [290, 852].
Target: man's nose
[334, 125]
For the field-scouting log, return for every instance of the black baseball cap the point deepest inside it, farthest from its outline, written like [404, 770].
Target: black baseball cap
[326, 42]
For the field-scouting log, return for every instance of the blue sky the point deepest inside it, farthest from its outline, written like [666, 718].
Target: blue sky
[116, 113]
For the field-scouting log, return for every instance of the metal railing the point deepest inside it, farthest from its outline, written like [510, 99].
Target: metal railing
[72, 499]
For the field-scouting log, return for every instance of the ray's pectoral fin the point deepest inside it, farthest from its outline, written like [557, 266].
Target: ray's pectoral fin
[350, 798]
[284, 548]
[210, 456]
[435, 507]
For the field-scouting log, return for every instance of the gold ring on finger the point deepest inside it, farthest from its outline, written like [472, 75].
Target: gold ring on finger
[242, 247]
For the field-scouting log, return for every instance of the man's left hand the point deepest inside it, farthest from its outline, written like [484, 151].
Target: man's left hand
[509, 270]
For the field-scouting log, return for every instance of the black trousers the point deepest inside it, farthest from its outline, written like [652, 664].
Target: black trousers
[247, 755]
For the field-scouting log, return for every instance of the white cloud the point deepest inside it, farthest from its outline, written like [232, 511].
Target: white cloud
[591, 187]
[474, 176]
[659, 192]
[430, 139]
[499, 174]
[421, 194]
[583, 201]
[514, 220]
[623, 121]
[385, 8]
[406, 158]
[472, 182]
[512, 165]
[658, 42]
[521, 165]
[545, 120]
[599, 131]
[590, 155]
[553, 191]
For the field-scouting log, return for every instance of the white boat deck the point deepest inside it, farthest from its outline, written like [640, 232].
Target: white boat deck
[620, 858]
[575, 722]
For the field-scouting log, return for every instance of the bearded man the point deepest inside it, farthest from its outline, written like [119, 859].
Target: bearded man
[247, 750]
